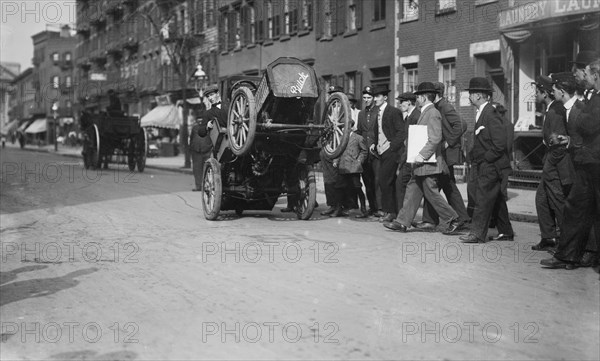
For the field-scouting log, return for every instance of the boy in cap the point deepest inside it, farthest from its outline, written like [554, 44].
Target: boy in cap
[407, 104]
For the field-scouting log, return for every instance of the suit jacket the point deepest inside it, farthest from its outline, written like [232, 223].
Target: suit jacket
[432, 118]
[353, 157]
[199, 140]
[555, 165]
[587, 127]
[452, 130]
[366, 122]
[572, 124]
[412, 119]
[393, 127]
[219, 114]
[489, 141]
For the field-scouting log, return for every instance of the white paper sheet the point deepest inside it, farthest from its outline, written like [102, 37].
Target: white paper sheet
[417, 138]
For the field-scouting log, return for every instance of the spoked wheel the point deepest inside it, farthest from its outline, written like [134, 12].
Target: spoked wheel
[307, 196]
[142, 149]
[337, 125]
[91, 148]
[131, 155]
[241, 122]
[212, 189]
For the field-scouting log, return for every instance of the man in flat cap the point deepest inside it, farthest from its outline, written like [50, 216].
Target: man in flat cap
[556, 174]
[582, 206]
[452, 130]
[389, 136]
[366, 122]
[217, 113]
[408, 105]
[489, 160]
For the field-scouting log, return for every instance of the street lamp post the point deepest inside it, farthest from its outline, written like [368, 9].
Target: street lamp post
[55, 114]
[199, 77]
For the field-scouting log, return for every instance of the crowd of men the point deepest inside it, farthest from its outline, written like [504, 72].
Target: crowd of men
[568, 196]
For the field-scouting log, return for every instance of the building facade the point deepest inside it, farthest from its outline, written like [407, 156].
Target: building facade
[53, 64]
[23, 96]
[8, 72]
[348, 42]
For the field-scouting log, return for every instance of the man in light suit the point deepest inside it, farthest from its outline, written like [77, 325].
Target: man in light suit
[453, 127]
[388, 136]
[489, 158]
[425, 178]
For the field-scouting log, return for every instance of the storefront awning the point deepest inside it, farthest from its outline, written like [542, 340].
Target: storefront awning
[23, 126]
[38, 126]
[163, 116]
[528, 12]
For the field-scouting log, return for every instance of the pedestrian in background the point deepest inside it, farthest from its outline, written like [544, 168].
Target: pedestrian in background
[370, 175]
[489, 158]
[200, 144]
[407, 104]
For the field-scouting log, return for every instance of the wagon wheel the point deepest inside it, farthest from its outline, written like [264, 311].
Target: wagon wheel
[337, 125]
[212, 189]
[241, 122]
[142, 149]
[307, 196]
[91, 148]
[131, 154]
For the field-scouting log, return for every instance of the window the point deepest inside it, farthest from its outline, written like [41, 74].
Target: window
[410, 77]
[55, 57]
[410, 10]
[378, 10]
[248, 24]
[68, 81]
[350, 86]
[224, 32]
[55, 82]
[380, 76]
[67, 56]
[269, 19]
[307, 17]
[68, 104]
[210, 13]
[290, 19]
[446, 5]
[447, 75]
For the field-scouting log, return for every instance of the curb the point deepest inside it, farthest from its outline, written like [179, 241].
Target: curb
[515, 217]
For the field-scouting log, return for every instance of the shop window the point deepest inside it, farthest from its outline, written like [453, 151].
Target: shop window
[410, 77]
[379, 10]
[410, 10]
[447, 76]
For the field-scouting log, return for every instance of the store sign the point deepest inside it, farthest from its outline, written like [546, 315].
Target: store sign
[532, 11]
[98, 76]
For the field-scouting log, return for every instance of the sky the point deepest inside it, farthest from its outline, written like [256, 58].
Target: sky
[19, 20]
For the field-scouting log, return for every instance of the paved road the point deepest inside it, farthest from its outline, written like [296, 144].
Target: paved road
[120, 265]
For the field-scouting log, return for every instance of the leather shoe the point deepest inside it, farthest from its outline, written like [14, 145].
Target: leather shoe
[555, 263]
[339, 213]
[396, 226]
[389, 217]
[425, 226]
[363, 214]
[462, 226]
[452, 228]
[545, 244]
[328, 211]
[378, 214]
[588, 259]
[502, 237]
[470, 238]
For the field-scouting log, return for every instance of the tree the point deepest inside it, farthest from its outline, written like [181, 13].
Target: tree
[170, 20]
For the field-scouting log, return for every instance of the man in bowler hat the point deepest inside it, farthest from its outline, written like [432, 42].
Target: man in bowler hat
[388, 142]
[424, 180]
[489, 160]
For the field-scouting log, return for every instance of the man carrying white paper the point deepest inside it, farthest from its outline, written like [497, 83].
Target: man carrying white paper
[424, 181]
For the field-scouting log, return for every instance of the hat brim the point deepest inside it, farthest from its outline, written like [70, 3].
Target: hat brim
[419, 92]
[483, 90]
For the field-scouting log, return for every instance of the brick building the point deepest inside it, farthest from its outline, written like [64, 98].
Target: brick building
[23, 96]
[8, 72]
[349, 42]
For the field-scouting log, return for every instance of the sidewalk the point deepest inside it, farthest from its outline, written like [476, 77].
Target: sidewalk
[521, 202]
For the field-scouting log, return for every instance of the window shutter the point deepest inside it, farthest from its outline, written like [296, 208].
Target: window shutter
[319, 18]
[359, 13]
[341, 17]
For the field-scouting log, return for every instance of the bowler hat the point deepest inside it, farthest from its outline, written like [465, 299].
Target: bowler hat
[407, 96]
[439, 86]
[368, 90]
[584, 58]
[210, 89]
[425, 87]
[479, 84]
[351, 97]
[335, 88]
[544, 83]
[565, 81]
[383, 90]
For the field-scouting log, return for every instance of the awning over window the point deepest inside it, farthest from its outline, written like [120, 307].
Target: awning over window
[163, 116]
[38, 126]
[23, 127]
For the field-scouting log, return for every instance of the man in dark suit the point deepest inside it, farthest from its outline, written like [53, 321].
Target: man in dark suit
[582, 206]
[201, 147]
[489, 159]
[388, 142]
[556, 174]
[370, 175]
[424, 181]
[217, 112]
[452, 130]
[407, 104]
